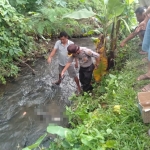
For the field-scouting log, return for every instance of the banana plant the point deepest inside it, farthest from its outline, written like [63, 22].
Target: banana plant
[109, 20]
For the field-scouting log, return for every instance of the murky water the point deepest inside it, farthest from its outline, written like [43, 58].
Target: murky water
[30, 102]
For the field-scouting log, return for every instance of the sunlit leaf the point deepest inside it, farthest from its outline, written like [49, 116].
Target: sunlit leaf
[37, 143]
[57, 130]
[39, 2]
[80, 14]
[116, 109]
[11, 52]
[109, 131]
[26, 148]
[110, 143]
[126, 25]
[129, 1]
[21, 2]
[61, 3]
[106, 2]
[115, 8]
[85, 139]
[82, 1]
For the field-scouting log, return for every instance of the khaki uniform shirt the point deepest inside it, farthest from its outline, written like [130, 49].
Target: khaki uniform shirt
[84, 57]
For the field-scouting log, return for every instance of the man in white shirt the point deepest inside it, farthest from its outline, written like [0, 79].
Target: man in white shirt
[61, 47]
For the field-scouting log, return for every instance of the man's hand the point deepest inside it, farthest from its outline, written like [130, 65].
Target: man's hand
[122, 44]
[62, 74]
[76, 65]
[49, 60]
[51, 55]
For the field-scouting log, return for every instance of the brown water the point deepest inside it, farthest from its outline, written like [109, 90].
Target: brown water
[30, 102]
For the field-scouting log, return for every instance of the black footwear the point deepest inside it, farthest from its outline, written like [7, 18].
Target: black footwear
[56, 83]
[59, 80]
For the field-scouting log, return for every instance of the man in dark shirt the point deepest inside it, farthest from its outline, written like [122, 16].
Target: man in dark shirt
[140, 17]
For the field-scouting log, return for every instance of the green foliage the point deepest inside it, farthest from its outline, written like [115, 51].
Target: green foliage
[111, 9]
[46, 17]
[58, 130]
[13, 40]
[83, 137]
[80, 4]
[48, 20]
[24, 6]
[36, 144]
[114, 8]
[83, 13]
[128, 18]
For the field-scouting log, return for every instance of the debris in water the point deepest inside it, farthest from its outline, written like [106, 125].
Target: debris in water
[24, 113]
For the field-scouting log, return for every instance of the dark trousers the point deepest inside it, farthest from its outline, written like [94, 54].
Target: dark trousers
[85, 76]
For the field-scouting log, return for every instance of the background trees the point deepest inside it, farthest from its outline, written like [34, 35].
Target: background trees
[23, 20]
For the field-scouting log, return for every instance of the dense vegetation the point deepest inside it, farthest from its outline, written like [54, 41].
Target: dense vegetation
[23, 21]
[109, 117]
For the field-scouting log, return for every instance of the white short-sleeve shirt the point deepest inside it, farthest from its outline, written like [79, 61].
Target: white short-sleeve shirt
[62, 52]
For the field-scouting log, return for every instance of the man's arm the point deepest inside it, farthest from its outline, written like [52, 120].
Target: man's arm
[142, 25]
[76, 62]
[95, 55]
[129, 37]
[51, 55]
[66, 67]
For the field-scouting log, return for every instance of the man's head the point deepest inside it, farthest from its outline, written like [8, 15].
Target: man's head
[140, 16]
[73, 49]
[63, 36]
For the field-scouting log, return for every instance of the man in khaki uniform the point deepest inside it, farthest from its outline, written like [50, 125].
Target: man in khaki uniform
[84, 55]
